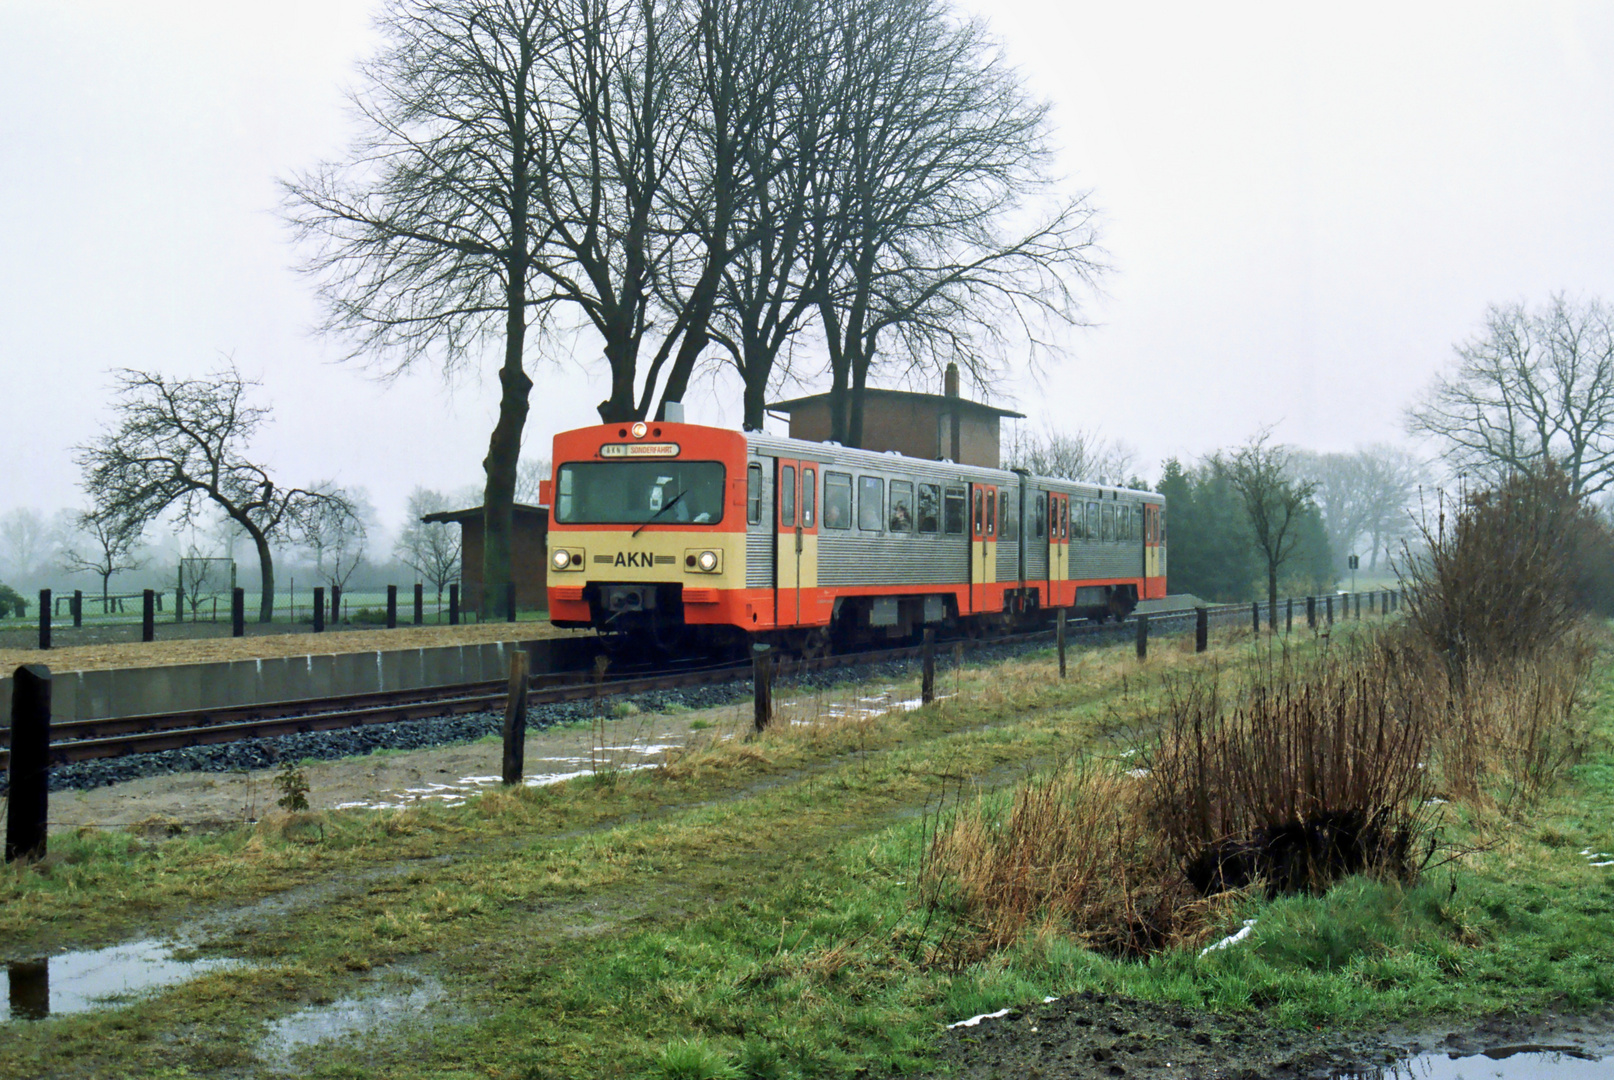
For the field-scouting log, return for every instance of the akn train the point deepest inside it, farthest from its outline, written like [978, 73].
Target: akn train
[688, 536]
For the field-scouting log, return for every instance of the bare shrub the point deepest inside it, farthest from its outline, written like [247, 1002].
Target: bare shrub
[1069, 851]
[1509, 729]
[1507, 574]
[1315, 774]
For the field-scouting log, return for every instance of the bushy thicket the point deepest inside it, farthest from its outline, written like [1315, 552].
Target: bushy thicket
[11, 602]
[1504, 572]
[1211, 551]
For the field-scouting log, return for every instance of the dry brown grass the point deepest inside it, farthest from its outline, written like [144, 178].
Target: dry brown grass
[1072, 852]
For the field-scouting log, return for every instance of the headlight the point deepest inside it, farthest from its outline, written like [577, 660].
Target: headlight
[707, 560]
[561, 559]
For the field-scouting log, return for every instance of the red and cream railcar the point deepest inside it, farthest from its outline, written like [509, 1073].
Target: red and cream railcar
[677, 532]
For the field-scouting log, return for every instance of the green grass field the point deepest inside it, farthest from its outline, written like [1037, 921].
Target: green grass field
[752, 909]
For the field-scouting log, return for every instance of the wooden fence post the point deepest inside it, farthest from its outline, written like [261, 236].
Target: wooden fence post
[392, 607]
[1143, 637]
[44, 618]
[148, 615]
[77, 608]
[1201, 629]
[238, 612]
[1328, 610]
[762, 685]
[515, 718]
[28, 809]
[927, 679]
[454, 604]
[1311, 613]
[319, 609]
[179, 604]
[1059, 636]
[1289, 616]
[1255, 617]
[420, 604]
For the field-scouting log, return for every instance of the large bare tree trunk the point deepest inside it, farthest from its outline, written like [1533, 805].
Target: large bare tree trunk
[266, 566]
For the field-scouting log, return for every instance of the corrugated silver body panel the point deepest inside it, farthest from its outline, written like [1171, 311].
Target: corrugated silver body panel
[853, 558]
[1102, 560]
[760, 546]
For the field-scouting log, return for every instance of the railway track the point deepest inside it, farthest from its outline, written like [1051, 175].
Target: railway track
[87, 740]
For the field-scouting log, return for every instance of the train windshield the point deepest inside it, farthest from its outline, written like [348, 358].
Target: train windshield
[635, 492]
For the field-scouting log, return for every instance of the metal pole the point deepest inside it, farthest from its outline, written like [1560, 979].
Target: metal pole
[28, 799]
[77, 607]
[515, 718]
[454, 604]
[420, 604]
[148, 615]
[1311, 613]
[1255, 617]
[319, 609]
[1328, 605]
[1289, 616]
[392, 607]
[238, 612]
[1201, 629]
[1143, 637]
[44, 618]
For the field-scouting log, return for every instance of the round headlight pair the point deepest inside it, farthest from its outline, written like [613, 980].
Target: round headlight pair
[707, 560]
[561, 559]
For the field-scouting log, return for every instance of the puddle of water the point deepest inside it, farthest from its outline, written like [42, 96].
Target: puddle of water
[80, 981]
[1499, 1063]
[342, 1019]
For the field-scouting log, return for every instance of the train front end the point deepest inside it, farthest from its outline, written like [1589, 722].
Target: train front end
[647, 532]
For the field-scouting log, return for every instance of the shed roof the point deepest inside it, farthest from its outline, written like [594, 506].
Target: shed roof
[459, 517]
[966, 403]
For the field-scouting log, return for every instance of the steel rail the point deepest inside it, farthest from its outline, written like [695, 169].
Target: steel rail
[86, 740]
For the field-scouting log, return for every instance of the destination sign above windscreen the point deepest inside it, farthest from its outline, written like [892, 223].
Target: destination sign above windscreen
[651, 449]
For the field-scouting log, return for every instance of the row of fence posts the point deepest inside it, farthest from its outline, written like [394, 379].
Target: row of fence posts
[151, 603]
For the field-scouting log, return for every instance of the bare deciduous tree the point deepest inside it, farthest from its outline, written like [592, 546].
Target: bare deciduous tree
[1262, 473]
[103, 545]
[336, 533]
[427, 238]
[937, 150]
[1366, 496]
[29, 544]
[1532, 388]
[430, 548]
[531, 473]
[181, 444]
[1072, 455]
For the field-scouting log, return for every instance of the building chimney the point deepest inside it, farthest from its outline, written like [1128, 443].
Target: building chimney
[950, 380]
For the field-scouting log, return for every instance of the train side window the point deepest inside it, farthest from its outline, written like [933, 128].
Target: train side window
[1064, 519]
[929, 508]
[1008, 523]
[787, 495]
[991, 513]
[902, 506]
[1109, 524]
[1137, 524]
[1039, 515]
[809, 492]
[980, 497]
[1078, 524]
[1161, 525]
[753, 493]
[837, 500]
[955, 511]
[870, 503]
[1092, 521]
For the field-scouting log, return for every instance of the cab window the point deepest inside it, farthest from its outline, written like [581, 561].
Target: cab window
[809, 491]
[991, 513]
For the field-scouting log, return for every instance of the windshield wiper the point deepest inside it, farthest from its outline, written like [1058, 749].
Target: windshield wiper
[669, 505]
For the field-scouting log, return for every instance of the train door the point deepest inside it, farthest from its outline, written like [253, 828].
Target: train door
[1151, 546]
[788, 542]
[1058, 548]
[983, 545]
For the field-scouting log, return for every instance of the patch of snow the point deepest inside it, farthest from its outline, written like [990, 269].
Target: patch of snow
[974, 1020]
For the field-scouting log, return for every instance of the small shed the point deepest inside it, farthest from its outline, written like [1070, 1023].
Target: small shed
[529, 556]
[940, 427]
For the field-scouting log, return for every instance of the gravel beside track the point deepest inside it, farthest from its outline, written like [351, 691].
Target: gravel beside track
[446, 730]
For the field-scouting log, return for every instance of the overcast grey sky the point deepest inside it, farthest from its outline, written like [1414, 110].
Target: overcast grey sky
[1304, 209]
